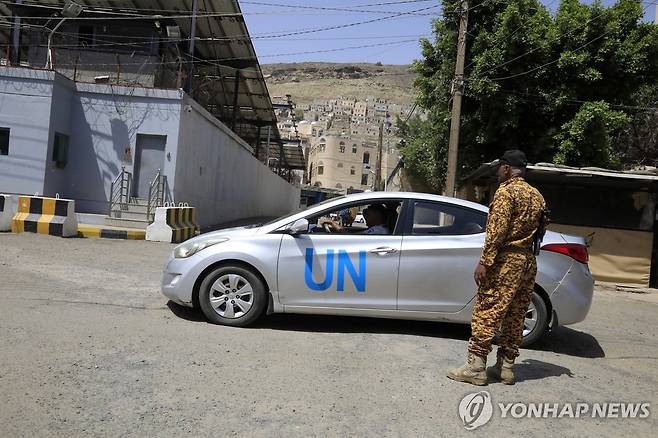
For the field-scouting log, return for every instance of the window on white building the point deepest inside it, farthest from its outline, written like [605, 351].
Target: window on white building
[366, 158]
[364, 179]
[340, 165]
[354, 149]
[60, 150]
[352, 171]
[4, 141]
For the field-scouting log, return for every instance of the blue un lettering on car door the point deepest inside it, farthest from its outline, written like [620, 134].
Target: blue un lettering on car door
[344, 264]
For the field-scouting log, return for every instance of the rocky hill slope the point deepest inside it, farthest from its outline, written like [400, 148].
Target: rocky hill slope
[309, 81]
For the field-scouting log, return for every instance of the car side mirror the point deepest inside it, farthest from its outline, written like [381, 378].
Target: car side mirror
[300, 226]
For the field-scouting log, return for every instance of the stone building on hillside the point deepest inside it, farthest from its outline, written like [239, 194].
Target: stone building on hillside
[340, 138]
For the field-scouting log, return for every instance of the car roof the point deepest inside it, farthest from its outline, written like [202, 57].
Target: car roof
[365, 196]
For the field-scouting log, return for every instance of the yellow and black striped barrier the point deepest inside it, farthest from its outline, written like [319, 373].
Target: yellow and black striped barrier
[53, 216]
[173, 224]
[183, 222]
[101, 232]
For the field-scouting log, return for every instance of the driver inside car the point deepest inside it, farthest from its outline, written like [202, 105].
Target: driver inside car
[374, 215]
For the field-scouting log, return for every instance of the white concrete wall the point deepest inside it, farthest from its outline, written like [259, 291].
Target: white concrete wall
[25, 106]
[106, 119]
[206, 164]
[217, 173]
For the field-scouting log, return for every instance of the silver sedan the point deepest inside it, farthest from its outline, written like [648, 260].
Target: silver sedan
[415, 261]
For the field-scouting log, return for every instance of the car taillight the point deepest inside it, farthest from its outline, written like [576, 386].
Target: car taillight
[574, 250]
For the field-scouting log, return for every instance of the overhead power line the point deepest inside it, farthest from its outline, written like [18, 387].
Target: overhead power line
[218, 61]
[275, 35]
[352, 8]
[370, 5]
[148, 40]
[128, 13]
[343, 26]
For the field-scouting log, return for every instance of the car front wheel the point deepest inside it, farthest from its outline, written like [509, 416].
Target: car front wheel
[232, 295]
[536, 320]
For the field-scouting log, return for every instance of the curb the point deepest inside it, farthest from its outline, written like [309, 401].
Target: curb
[95, 232]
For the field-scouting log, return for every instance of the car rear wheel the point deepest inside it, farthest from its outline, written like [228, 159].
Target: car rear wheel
[536, 320]
[232, 295]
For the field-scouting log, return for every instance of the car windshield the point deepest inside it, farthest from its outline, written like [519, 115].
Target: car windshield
[326, 201]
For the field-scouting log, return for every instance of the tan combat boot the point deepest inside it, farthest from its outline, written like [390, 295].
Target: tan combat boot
[502, 371]
[473, 371]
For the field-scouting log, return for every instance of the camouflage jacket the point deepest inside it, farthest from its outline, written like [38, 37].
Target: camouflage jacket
[514, 216]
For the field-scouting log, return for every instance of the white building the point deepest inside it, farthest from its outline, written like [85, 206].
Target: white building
[68, 134]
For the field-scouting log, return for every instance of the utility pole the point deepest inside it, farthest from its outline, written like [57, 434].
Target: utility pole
[189, 82]
[16, 54]
[378, 170]
[457, 91]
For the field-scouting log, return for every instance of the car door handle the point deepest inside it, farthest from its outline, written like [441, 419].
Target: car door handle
[383, 250]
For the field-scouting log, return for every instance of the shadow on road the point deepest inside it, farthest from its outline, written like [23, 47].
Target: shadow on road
[565, 340]
[340, 324]
[352, 324]
[531, 369]
[186, 313]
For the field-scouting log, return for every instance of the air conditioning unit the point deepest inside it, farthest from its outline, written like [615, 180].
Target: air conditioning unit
[71, 9]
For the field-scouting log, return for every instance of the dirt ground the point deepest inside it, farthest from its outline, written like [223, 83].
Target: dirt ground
[89, 346]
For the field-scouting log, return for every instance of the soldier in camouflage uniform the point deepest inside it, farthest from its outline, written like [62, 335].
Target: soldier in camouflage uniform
[505, 274]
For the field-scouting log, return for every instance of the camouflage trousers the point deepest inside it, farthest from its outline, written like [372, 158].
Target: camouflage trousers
[501, 304]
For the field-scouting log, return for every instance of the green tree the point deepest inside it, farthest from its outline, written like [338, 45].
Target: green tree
[562, 88]
[640, 136]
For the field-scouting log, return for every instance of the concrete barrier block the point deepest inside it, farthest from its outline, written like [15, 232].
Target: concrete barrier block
[8, 209]
[173, 224]
[53, 216]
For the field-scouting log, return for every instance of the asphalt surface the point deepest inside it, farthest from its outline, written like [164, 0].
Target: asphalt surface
[89, 347]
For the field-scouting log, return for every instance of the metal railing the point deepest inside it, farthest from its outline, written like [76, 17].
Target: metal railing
[120, 191]
[156, 194]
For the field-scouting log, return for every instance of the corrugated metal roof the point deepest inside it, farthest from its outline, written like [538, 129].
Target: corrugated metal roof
[222, 48]
[594, 171]
[486, 175]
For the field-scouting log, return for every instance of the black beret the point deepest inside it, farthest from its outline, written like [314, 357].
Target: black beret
[514, 158]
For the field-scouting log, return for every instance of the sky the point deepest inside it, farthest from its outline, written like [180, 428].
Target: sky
[385, 31]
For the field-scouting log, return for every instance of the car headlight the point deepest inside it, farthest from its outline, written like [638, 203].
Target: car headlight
[189, 248]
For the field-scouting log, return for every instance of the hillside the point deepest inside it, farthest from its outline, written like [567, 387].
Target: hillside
[309, 81]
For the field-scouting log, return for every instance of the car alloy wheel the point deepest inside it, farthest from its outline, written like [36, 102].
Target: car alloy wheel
[232, 296]
[530, 320]
[536, 320]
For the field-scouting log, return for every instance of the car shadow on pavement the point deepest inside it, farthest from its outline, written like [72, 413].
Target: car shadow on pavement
[356, 324]
[186, 313]
[562, 340]
[340, 324]
[565, 340]
[531, 369]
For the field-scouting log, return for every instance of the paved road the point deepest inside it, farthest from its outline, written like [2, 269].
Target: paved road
[88, 346]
